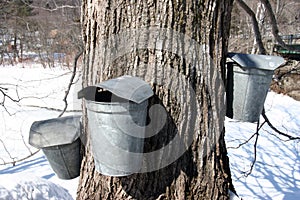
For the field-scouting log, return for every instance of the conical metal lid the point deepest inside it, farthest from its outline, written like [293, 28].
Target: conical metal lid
[257, 61]
[53, 132]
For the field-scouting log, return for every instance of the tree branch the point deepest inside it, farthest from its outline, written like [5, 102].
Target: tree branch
[18, 99]
[19, 160]
[57, 7]
[255, 156]
[46, 79]
[293, 69]
[258, 127]
[6, 150]
[50, 108]
[276, 130]
[275, 30]
[243, 143]
[257, 34]
[3, 92]
[71, 82]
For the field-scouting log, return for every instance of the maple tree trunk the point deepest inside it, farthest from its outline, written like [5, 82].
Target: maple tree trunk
[202, 171]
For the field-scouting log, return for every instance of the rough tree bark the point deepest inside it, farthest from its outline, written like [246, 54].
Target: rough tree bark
[202, 172]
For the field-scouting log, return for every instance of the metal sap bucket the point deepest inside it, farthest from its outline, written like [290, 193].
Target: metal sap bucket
[117, 118]
[59, 140]
[248, 80]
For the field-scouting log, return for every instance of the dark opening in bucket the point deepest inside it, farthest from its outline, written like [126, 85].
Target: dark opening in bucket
[229, 90]
[107, 96]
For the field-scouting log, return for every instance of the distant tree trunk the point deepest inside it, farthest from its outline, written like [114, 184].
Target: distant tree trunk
[255, 25]
[15, 48]
[202, 172]
[260, 16]
[275, 30]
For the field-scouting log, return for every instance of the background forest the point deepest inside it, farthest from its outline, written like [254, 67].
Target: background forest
[242, 34]
[42, 30]
[50, 29]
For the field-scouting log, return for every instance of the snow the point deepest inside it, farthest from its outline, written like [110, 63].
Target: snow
[276, 173]
[35, 177]
[29, 187]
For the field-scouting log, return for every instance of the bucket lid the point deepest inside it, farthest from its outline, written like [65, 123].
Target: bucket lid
[53, 132]
[257, 61]
[126, 87]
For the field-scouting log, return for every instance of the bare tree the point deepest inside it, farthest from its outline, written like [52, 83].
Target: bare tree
[58, 31]
[277, 16]
[256, 30]
[48, 28]
[14, 22]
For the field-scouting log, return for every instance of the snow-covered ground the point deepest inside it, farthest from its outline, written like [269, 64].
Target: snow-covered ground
[276, 173]
[42, 91]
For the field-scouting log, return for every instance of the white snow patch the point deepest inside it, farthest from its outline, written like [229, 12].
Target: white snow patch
[276, 173]
[31, 187]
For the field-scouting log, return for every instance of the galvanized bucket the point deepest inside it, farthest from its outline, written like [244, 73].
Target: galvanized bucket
[115, 152]
[117, 124]
[248, 80]
[65, 160]
[59, 140]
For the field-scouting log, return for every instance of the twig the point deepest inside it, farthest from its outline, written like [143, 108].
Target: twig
[6, 150]
[19, 160]
[15, 100]
[23, 140]
[295, 68]
[7, 96]
[255, 148]
[57, 7]
[258, 127]
[51, 109]
[241, 144]
[2, 88]
[4, 98]
[71, 82]
[290, 137]
[3, 161]
[10, 114]
[269, 132]
[46, 79]
[255, 155]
